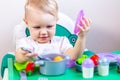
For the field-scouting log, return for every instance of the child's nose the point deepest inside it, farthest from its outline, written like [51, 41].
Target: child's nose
[43, 31]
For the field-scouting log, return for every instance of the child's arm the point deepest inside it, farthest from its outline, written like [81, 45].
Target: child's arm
[23, 55]
[79, 47]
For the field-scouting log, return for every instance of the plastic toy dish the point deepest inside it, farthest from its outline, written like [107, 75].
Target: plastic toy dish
[78, 67]
[95, 68]
[70, 63]
[110, 56]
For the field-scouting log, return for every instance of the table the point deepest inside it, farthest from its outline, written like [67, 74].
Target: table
[70, 74]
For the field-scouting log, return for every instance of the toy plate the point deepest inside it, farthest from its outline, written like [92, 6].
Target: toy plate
[110, 56]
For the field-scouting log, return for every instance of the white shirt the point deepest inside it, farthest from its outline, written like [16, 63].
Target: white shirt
[57, 45]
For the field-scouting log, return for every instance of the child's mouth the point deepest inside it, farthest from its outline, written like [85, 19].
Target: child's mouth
[43, 38]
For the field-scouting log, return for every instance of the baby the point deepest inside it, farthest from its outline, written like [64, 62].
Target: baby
[41, 17]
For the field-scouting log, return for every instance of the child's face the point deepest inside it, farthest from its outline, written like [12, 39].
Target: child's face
[42, 25]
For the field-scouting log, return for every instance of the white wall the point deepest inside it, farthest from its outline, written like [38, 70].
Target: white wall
[11, 13]
[104, 33]
[105, 15]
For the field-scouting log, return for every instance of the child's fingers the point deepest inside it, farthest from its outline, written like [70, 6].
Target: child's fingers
[29, 55]
[83, 23]
[22, 51]
[80, 27]
[83, 29]
[90, 21]
[86, 21]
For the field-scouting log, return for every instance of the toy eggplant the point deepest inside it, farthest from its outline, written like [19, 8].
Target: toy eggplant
[80, 15]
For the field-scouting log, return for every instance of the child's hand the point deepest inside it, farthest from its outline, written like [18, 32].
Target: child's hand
[24, 55]
[85, 26]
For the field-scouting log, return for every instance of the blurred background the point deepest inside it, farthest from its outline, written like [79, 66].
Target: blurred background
[105, 16]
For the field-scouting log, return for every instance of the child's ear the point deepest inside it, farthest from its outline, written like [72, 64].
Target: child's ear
[25, 21]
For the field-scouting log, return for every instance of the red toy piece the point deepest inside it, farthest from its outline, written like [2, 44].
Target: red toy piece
[30, 68]
[95, 59]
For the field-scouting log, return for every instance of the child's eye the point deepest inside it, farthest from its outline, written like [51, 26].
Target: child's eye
[50, 26]
[37, 27]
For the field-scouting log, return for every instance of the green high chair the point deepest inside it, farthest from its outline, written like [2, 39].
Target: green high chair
[60, 31]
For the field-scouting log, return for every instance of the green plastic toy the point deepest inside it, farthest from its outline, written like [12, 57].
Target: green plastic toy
[81, 59]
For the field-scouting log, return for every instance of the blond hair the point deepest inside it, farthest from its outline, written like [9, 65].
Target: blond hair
[49, 6]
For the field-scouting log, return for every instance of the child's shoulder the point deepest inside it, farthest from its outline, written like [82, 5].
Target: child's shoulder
[26, 39]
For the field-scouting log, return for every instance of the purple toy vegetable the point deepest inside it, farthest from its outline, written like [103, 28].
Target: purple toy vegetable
[80, 15]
